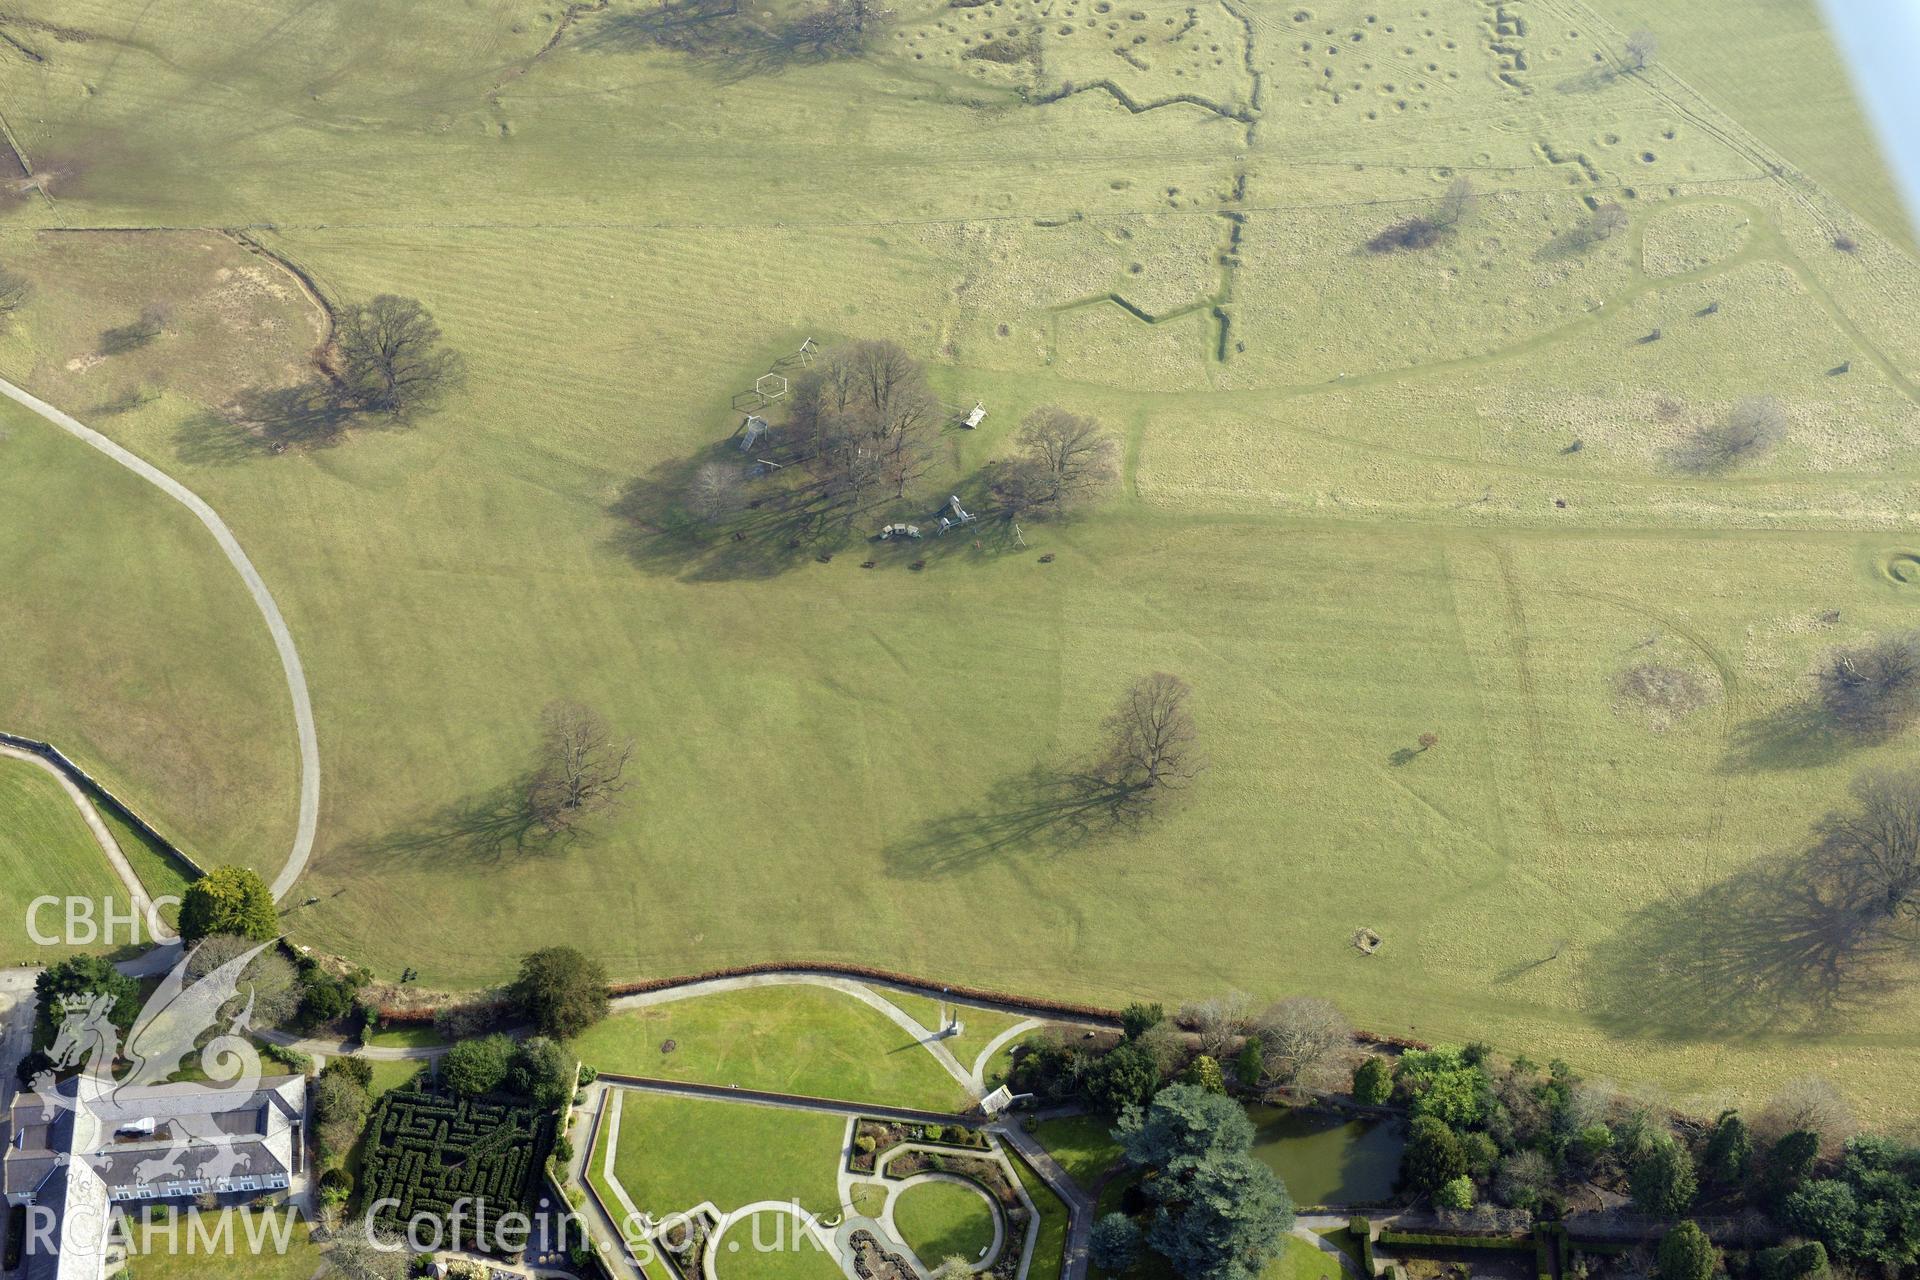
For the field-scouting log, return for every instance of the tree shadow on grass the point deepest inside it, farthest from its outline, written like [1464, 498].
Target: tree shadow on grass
[267, 420]
[1798, 736]
[783, 521]
[1776, 948]
[487, 827]
[1045, 811]
[714, 34]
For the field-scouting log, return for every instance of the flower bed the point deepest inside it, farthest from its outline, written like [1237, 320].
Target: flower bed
[990, 1176]
[887, 1134]
[872, 1260]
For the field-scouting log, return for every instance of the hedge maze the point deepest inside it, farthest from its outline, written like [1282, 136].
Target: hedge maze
[430, 1153]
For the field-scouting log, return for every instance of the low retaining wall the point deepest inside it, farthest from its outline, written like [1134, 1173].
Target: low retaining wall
[98, 790]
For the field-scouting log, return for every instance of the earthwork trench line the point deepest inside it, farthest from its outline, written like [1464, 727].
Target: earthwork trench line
[276, 625]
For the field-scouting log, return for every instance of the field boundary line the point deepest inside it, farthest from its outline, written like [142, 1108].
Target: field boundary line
[116, 859]
[45, 753]
[308, 738]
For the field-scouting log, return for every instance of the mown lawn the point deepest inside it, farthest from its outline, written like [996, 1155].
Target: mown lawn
[1083, 1145]
[791, 1039]
[940, 1220]
[46, 850]
[1050, 1247]
[676, 1153]
[235, 1256]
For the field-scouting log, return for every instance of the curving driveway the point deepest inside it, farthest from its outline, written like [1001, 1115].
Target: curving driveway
[256, 587]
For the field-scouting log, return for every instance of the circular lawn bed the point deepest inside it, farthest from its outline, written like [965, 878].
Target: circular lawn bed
[940, 1219]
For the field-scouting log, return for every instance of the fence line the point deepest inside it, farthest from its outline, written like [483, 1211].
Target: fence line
[98, 790]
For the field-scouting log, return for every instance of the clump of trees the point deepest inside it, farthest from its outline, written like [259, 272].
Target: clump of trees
[580, 767]
[1425, 230]
[834, 28]
[1748, 432]
[864, 414]
[270, 982]
[1216, 1212]
[1872, 689]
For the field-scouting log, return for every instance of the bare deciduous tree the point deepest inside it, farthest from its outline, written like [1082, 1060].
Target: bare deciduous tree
[1151, 738]
[1065, 457]
[391, 357]
[580, 766]
[714, 491]
[1642, 48]
[1873, 850]
[1219, 1022]
[1810, 1103]
[269, 980]
[1302, 1038]
[1748, 432]
[1874, 688]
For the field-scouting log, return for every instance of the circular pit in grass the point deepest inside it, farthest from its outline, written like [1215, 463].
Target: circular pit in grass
[1902, 568]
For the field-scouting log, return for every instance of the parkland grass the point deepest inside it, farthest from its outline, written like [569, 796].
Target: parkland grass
[1366, 496]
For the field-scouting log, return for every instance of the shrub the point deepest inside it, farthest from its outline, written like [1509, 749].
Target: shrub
[336, 1186]
[1250, 1064]
[1443, 1084]
[1115, 1244]
[228, 900]
[1432, 1157]
[1126, 1077]
[358, 1070]
[560, 991]
[473, 1068]
[1687, 1254]
[1728, 1157]
[543, 1071]
[1663, 1180]
[1136, 1019]
[1791, 1261]
[865, 1144]
[1455, 1193]
[1373, 1081]
[1204, 1072]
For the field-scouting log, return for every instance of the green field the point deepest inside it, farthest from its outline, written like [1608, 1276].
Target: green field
[812, 1041]
[1351, 513]
[940, 1220]
[678, 1153]
[233, 1257]
[45, 849]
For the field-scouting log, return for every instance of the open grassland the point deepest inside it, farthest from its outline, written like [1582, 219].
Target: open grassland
[45, 849]
[131, 645]
[1366, 496]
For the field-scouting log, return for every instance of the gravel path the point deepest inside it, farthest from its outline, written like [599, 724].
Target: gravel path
[276, 625]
